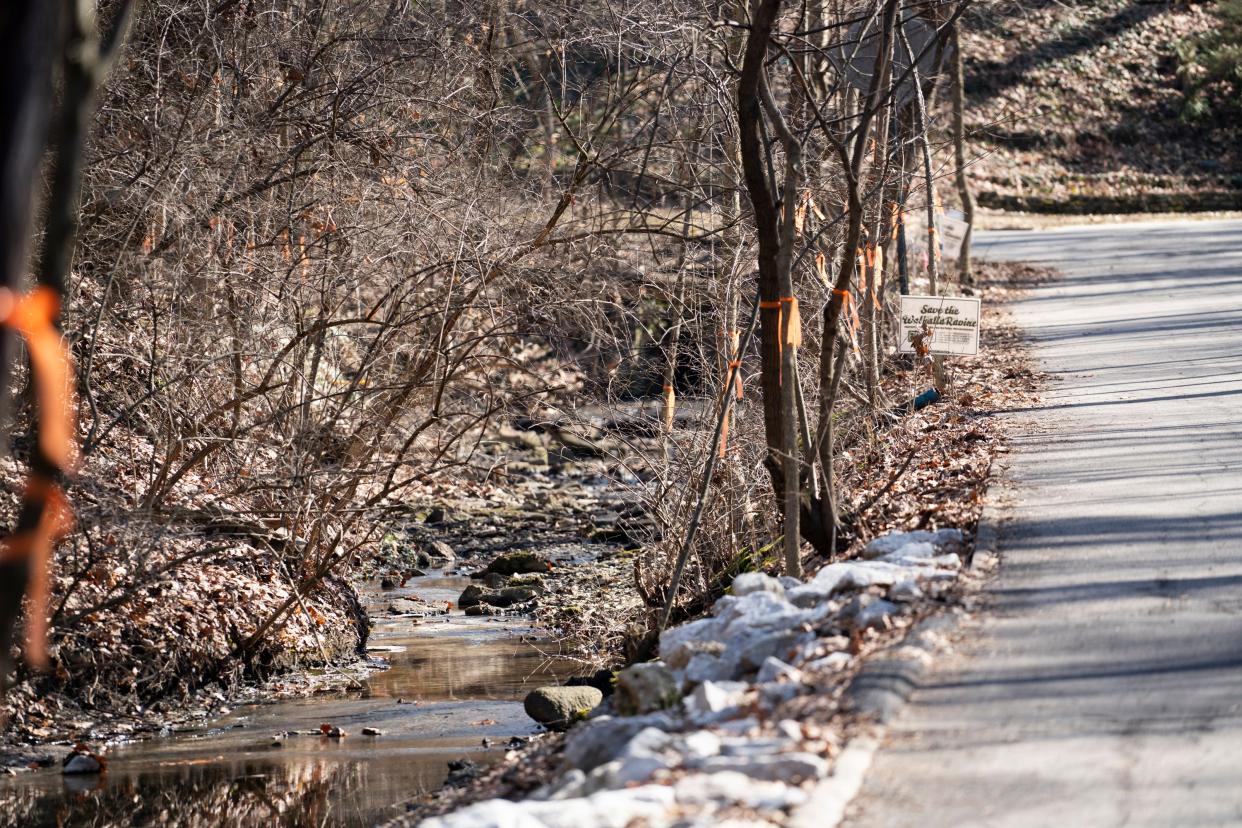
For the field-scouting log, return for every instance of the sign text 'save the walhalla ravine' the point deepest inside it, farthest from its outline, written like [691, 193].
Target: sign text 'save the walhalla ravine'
[953, 322]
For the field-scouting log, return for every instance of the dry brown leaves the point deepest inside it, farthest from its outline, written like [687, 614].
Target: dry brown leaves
[953, 441]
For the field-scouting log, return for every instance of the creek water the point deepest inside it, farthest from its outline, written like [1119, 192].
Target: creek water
[453, 682]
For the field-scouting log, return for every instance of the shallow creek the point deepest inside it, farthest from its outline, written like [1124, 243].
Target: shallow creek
[453, 682]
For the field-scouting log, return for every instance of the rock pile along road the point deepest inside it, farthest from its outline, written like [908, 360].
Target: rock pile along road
[1103, 686]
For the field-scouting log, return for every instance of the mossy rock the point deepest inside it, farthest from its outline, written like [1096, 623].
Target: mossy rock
[559, 707]
[531, 580]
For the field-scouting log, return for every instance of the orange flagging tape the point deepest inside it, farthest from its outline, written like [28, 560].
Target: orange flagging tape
[851, 316]
[33, 316]
[877, 278]
[35, 547]
[670, 398]
[735, 367]
[793, 322]
[821, 268]
[788, 322]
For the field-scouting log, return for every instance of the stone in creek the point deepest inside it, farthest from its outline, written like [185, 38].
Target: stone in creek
[646, 688]
[408, 606]
[438, 550]
[81, 763]
[471, 596]
[508, 596]
[462, 772]
[559, 707]
[517, 563]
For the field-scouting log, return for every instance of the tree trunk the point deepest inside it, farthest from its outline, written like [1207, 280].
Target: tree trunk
[959, 152]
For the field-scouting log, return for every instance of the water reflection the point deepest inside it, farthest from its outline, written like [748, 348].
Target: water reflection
[451, 685]
[216, 793]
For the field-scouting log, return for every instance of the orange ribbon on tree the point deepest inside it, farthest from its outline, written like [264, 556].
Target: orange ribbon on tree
[850, 311]
[45, 516]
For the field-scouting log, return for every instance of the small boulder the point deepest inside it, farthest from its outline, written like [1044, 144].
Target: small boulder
[755, 650]
[518, 563]
[906, 590]
[603, 739]
[461, 772]
[559, 707]
[413, 606]
[781, 767]
[646, 688]
[681, 655]
[708, 667]
[830, 663]
[867, 611]
[773, 669]
[947, 540]
[509, 596]
[81, 762]
[470, 596]
[749, 582]
[531, 580]
[439, 551]
[715, 697]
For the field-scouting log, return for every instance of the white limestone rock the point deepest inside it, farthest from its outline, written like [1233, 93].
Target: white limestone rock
[712, 698]
[598, 741]
[705, 667]
[773, 669]
[749, 582]
[950, 540]
[831, 663]
[739, 789]
[905, 591]
[781, 767]
[702, 629]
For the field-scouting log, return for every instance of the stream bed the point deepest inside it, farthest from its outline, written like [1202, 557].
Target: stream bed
[453, 682]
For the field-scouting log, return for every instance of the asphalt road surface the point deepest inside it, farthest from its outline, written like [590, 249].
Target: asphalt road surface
[1103, 686]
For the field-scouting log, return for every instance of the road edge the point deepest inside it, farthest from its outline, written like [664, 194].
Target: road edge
[884, 685]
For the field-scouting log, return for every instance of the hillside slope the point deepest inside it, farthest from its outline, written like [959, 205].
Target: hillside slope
[1075, 107]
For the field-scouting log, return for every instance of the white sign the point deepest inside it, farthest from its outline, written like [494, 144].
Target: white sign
[950, 323]
[952, 234]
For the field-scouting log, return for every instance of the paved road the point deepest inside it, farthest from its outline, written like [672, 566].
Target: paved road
[1104, 687]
